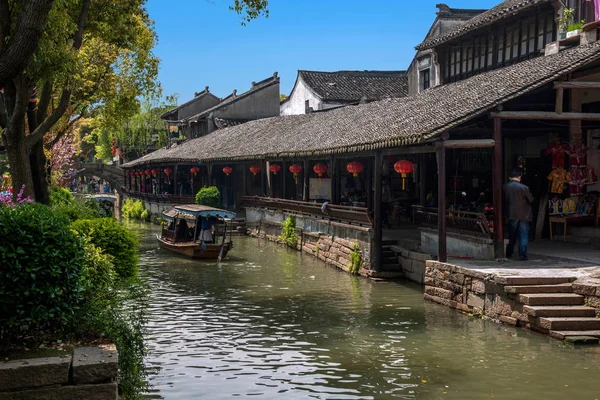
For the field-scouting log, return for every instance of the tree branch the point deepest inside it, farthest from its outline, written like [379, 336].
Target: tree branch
[65, 98]
[24, 40]
[4, 22]
[66, 129]
[45, 98]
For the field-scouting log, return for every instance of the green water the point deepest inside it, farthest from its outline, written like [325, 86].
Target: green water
[271, 323]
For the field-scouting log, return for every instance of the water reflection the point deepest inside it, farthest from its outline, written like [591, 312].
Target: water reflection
[271, 323]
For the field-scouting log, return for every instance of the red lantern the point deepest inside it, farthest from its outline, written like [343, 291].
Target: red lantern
[168, 171]
[296, 169]
[275, 168]
[155, 172]
[255, 169]
[127, 174]
[355, 168]
[404, 167]
[139, 173]
[320, 169]
[227, 170]
[147, 172]
[195, 170]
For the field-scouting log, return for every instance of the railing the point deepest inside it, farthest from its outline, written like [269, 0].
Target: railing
[463, 222]
[160, 198]
[352, 215]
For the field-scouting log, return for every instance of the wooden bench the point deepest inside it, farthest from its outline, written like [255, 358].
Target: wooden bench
[565, 220]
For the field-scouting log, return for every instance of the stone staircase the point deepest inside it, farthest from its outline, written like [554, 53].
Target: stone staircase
[389, 258]
[553, 309]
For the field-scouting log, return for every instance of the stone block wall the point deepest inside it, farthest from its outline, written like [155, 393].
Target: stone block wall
[472, 292]
[591, 292]
[413, 263]
[329, 241]
[457, 244]
[89, 373]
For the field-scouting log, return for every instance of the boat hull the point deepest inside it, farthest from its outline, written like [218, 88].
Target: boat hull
[194, 249]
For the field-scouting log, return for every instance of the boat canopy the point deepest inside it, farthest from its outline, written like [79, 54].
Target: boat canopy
[195, 211]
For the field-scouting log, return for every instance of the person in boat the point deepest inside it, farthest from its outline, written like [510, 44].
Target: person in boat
[207, 227]
[182, 230]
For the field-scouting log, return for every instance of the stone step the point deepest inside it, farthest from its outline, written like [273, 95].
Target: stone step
[570, 323]
[392, 267]
[534, 280]
[559, 288]
[550, 299]
[562, 335]
[560, 311]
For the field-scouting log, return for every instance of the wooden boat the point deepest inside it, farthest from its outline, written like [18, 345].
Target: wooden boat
[177, 236]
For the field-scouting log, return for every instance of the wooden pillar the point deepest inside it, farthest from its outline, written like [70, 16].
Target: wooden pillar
[242, 167]
[423, 180]
[499, 249]
[284, 171]
[441, 162]
[376, 251]
[209, 171]
[306, 176]
[262, 177]
[175, 183]
[333, 175]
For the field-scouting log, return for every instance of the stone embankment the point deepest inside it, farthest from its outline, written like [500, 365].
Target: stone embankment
[553, 305]
[89, 373]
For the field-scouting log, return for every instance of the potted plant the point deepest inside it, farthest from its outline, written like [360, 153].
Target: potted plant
[575, 29]
[564, 22]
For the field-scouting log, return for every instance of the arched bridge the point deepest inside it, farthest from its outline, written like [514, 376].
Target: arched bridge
[115, 176]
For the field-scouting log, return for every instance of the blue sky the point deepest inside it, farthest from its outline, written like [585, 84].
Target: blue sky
[201, 43]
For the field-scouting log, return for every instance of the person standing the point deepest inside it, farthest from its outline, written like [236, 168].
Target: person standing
[518, 202]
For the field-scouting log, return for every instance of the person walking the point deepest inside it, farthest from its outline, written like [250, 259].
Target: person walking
[518, 202]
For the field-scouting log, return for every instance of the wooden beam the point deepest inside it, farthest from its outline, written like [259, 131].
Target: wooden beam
[559, 100]
[497, 188]
[577, 85]
[333, 173]
[378, 217]
[269, 182]
[409, 150]
[441, 161]
[468, 144]
[530, 115]
[306, 176]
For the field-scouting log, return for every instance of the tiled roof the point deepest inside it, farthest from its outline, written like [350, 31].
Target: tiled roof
[233, 97]
[380, 124]
[197, 96]
[223, 123]
[502, 10]
[352, 86]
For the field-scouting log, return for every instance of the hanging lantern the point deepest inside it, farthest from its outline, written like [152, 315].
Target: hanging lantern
[139, 173]
[404, 167]
[355, 168]
[147, 172]
[168, 171]
[275, 168]
[296, 169]
[127, 174]
[255, 169]
[320, 169]
[155, 172]
[227, 170]
[195, 170]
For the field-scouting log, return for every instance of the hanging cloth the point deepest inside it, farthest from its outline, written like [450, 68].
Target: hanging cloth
[596, 9]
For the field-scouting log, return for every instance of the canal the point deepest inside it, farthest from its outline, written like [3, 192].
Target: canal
[271, 323]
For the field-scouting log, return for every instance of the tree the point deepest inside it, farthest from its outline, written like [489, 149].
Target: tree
[93, 54]
[250, 9]
[16, 52]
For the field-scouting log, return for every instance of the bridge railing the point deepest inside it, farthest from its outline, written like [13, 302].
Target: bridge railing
[160, 198]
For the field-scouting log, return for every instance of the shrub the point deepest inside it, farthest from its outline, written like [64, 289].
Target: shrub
[59, 195]
[114, 239]
[209, 196]
[355, 260]
[41, 279]
[145, 215]
[99, 270]
[132, 208]
[288, 232]
[73, 208]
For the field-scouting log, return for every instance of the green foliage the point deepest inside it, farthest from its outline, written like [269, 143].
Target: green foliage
[250, 9]
[41, 279]
[567, 19]
[209, 196]
[355, 260]
[133, 209]
[99, 270]
[289, 235]
[145, 216]
[575, 26]
[73, 208]
[114, 239]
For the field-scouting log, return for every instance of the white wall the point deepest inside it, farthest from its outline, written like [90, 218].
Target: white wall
[296, 102]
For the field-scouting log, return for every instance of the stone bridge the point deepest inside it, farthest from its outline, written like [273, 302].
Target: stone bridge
[115, 176]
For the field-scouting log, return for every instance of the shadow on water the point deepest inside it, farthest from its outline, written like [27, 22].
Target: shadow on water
[273, 323]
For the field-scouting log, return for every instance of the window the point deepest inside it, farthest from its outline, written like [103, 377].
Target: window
[424, 79]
